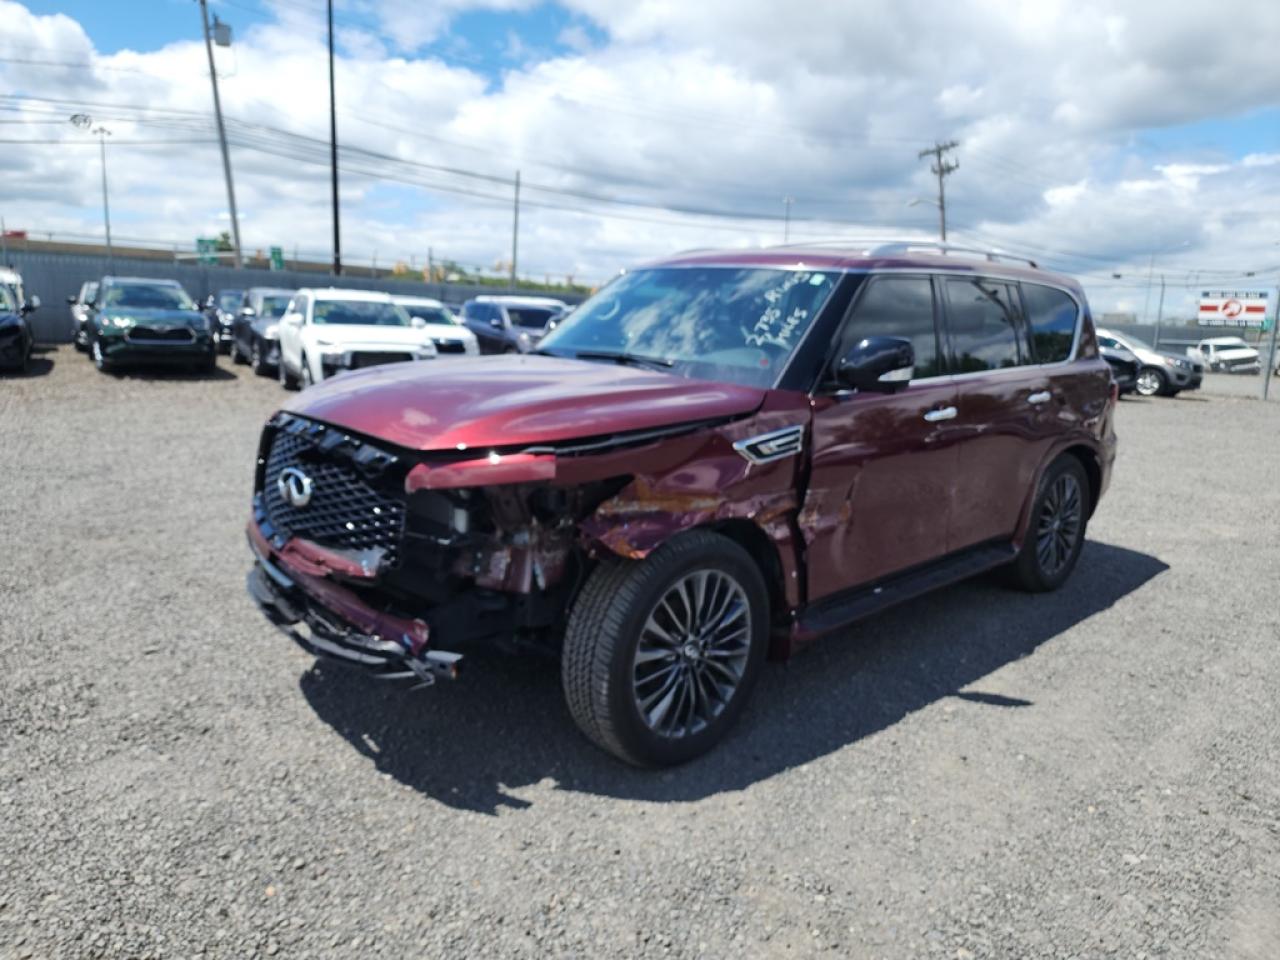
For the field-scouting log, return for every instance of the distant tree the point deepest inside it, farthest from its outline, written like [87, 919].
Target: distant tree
[223, 243]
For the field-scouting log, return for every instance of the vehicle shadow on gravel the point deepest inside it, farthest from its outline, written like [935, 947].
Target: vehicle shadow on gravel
[38, 365]
[166, 373]
[503, 725]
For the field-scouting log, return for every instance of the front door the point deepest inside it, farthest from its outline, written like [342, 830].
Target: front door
[883, 464]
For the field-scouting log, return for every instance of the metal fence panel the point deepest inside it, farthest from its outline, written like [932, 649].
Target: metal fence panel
[57, 276]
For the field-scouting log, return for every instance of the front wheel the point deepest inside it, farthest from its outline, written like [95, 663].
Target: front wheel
[99, 358]
[1151, 382]
[287, 380]
[1055, 535]
[661, 654]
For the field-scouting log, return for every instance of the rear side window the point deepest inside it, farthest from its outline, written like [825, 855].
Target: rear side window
[1052, 316]
[983, 321]
[897, 307]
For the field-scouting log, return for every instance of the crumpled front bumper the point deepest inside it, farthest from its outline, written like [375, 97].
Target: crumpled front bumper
[332, 622]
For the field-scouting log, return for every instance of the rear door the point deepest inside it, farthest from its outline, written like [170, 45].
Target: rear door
[882, 465]
[1009, 403]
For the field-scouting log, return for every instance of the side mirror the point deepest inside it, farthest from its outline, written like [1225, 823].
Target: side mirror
[248, 312]
[417, 322]
[72, 300]
[879, 364]
[495, 322]
[292, 319]
[33, 303]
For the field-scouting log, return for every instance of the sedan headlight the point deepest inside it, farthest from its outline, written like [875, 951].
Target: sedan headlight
[124, 323]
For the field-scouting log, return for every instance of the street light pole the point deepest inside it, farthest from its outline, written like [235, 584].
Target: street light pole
[333, 153]
[1159, 313]
[786, 218]
[942, 168]
[85, 122]
[103, 133]
[222, 137]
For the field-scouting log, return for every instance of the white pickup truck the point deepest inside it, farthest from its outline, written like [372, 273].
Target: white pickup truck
[1227, 355]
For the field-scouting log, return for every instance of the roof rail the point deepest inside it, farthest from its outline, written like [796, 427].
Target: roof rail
[907, 246]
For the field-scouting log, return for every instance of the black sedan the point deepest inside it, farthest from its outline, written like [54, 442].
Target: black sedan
[1124, 367]
[16, 339]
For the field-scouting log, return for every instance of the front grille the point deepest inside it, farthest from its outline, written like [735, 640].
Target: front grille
[162, 334]
[359, 360]
[347, 510]
[450, 346]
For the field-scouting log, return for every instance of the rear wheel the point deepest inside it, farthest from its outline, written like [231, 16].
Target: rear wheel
[660, 655]
[1151, 382]
[1055, 535]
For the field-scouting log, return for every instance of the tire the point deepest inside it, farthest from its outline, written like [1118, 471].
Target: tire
[609, 626]
[287, 380]
[99, 359]
[1151, 382]
[81, 341]
[1051, 549]
[256, 360]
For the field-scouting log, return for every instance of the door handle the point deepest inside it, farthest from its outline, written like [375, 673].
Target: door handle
[944, 413]
[1044, 396]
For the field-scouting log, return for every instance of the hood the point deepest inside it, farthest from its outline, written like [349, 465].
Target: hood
[353, 335]
[156, 317]
[510, 400]
[1237, 351]
[446, 331]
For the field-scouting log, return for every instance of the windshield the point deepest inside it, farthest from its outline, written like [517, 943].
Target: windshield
[274, 307]
[711, 323]
[365, 313]
[534, 318]
[148, 296]
[429, 312]
[8, 300]
[229, 300]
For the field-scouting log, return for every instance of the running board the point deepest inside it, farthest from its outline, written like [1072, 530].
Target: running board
[852, 605]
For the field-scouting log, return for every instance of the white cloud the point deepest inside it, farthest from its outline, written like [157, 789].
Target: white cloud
[716, 105]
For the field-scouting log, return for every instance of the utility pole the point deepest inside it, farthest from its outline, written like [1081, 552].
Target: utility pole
[1273, 359]
[222, 130]
[515, 233]
[1159, 313]
[786, 218]
[941, 168]
[333, 153]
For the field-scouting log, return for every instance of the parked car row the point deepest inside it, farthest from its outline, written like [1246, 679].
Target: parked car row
[300, 336]
[1158, 373]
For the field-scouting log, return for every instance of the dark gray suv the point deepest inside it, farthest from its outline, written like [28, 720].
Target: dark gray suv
[509, 324]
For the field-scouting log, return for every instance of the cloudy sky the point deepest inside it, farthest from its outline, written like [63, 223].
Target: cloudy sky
[1133, 138]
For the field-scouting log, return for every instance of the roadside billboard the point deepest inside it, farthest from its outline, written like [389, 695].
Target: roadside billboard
[1232, 308]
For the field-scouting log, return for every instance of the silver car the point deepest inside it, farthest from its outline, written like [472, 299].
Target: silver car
[1160, 374]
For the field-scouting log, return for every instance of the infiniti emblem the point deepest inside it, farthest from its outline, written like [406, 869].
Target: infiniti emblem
[295, 487]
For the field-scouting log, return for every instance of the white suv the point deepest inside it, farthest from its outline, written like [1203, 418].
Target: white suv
[327, 331]
[1227, 355]
[438, 321]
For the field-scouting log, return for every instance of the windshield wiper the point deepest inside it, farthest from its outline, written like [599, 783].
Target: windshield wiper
[634, 359]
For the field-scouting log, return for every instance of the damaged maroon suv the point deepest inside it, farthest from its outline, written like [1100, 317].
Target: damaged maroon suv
[715, 459]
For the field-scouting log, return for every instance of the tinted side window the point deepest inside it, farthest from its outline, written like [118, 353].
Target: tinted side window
[983, 320]
[471, 311]
[897, 307]
[1052, 316]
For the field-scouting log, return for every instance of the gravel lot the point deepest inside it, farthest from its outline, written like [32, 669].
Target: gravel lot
[1094, 773]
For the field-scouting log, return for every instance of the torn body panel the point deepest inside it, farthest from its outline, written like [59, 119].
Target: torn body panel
[497, 545]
